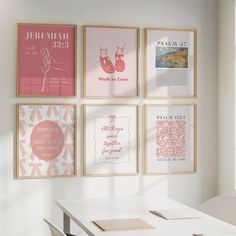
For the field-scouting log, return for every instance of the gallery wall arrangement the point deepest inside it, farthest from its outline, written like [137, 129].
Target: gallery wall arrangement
[46, 132]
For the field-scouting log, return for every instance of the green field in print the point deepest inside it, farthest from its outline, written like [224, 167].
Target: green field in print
[171, 57]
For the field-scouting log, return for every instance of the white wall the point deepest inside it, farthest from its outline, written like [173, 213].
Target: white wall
[23, 203]
[226, 98]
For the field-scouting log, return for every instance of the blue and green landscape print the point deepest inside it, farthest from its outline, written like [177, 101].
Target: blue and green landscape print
[171, 57]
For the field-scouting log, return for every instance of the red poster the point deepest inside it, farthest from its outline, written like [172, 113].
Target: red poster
[46, 60]
[46, 140]
[171, 138]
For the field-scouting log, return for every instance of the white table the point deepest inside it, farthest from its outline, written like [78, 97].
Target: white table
[84, 211]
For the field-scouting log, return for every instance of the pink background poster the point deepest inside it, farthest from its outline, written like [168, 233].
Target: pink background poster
[46, 140]
[46, 60]
[111, 56]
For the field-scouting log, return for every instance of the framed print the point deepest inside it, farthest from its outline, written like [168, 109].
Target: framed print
[171, 63]
[46, 140]
[110, 140]
[170, 139]
[46, 60]
[111, 62]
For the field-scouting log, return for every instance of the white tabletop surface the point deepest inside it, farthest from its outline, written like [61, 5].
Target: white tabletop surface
[84, 211]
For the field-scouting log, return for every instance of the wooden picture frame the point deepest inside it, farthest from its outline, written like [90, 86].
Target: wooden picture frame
[46, 60]
[46, 140]
[170, 139]
[170, 63]
[111, 57]
[110, 140]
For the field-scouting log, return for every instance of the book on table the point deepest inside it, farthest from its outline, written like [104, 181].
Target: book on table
[122, 224]
[174, 214]
[216, 234]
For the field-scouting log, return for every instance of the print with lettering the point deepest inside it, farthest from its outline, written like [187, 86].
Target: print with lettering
[112, 139]
[46, 139]
[46, 60]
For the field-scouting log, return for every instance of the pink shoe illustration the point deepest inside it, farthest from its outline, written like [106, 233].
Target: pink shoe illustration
[105, 61]
[119, 59]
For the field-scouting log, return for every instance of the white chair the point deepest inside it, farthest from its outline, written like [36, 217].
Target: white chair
[222, 207]
[55, 231]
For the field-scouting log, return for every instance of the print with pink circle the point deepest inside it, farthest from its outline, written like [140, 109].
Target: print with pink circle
[47, 140]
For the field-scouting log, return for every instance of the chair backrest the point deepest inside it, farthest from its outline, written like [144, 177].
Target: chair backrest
[222, 207]
[54, 230]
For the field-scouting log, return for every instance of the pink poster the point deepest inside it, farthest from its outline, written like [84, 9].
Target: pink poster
[46, 140]
[111, 61]
[170, 139]
[46, 60]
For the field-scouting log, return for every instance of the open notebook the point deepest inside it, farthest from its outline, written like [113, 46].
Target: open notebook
[216, 234]
[174, 214]
[122, 224]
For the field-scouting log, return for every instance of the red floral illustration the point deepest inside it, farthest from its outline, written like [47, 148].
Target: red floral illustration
[171, 138]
